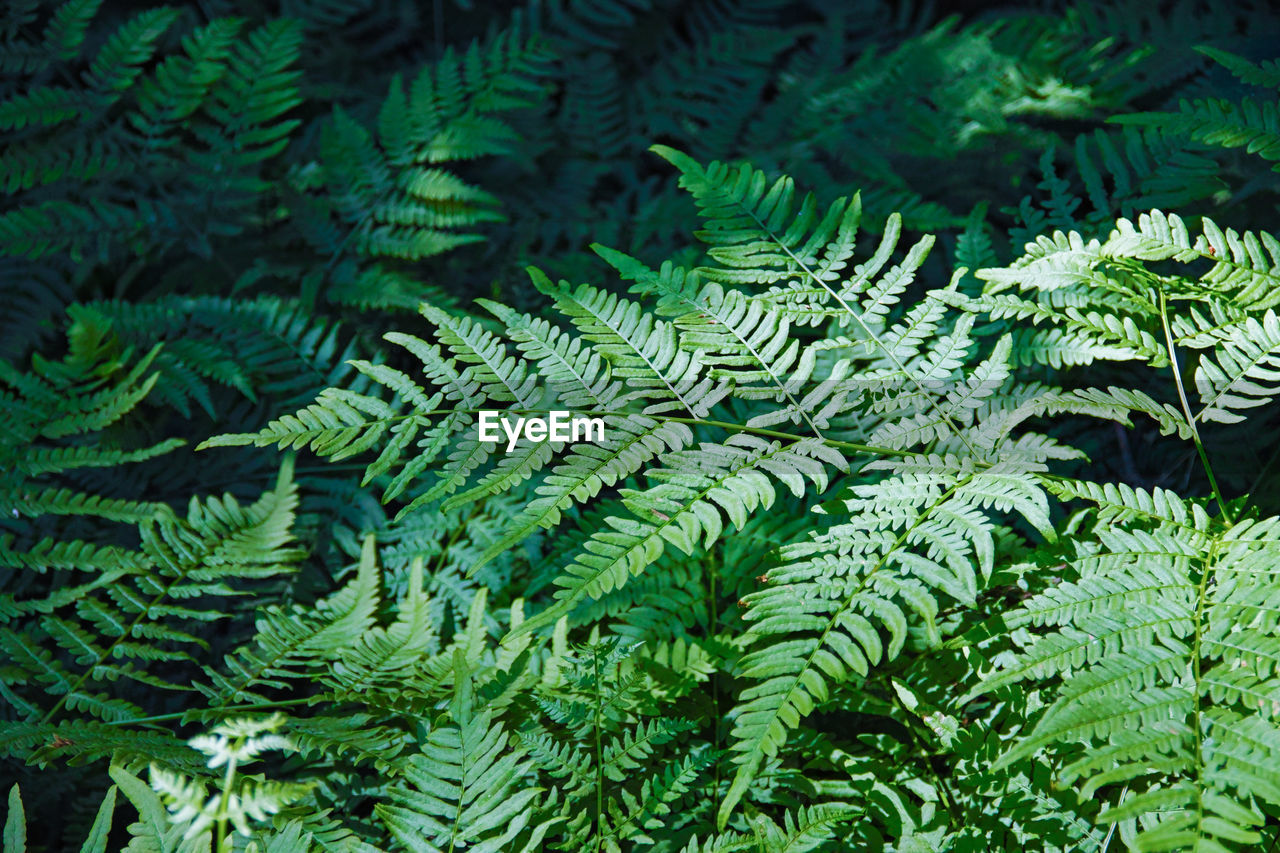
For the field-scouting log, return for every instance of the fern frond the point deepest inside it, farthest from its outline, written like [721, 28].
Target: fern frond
[1238, 378]
[685, 509]
[391, 197]
[294, 643]
[1248, 123]
[642, 351]
[467, 787]
[1167, 647]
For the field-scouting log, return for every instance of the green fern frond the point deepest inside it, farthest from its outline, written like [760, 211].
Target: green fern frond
[116, 628]
[1249, 123]
[642, 351]
[392, 199]
[197, 127]
[687, 508]
[1166, 646]
[818, 623]
[1245, 365]
[467, 787]
[295, 643]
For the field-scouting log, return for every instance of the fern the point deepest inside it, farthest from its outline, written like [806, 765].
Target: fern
[1249, 123]
[140, 614]
[393, 200]
[1137, 633]
[200, 124]
[939, 499]
[465, 785]
[933, 507]
[1165, 636]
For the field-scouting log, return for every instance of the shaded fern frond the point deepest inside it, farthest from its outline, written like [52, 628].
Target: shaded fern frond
[1250, 123]
[385, 186]
[143, 148]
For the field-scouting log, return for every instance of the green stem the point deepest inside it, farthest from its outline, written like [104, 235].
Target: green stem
[872, 449]
[1197, 674]
[712, 608]
[860, 448]
[1111, 830]
[227, 779]
[788, 436]
[1186, 411]
[177, 715]
[599, 747]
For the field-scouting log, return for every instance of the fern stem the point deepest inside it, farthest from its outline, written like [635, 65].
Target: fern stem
[789, 436]
[772, 433]
[599, 749]
[712, 614]
[220, 843]
[1111, 830]
[1196, 731]
[178, 715]
[872, 449]
[1186, 411]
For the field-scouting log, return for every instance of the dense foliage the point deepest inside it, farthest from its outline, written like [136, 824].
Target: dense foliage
[937, 503]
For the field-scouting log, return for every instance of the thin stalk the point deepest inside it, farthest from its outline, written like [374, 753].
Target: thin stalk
[712, 609]
[1202, 593]
[1111, 831]
[1186, 411]
[772, 433]
[599, 748]
[872, 449]
[227, 778]
[177, 715]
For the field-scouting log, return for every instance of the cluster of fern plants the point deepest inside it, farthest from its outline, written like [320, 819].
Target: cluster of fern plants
[934, 505]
